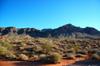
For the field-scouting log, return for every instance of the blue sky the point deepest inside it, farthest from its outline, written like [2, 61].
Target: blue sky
[49, 13]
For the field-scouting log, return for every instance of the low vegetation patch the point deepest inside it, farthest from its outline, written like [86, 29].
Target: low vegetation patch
[48, 50]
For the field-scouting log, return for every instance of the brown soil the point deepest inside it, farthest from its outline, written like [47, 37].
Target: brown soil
[26, 63]
[63, 63]
[6, 63]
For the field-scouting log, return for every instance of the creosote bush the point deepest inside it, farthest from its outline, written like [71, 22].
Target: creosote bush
[46, 48]
[5, 44]
[54, 58]
[10, 55]
[6, 53]
[3, 50]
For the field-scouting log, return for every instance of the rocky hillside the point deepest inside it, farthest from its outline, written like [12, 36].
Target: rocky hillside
[68, 30]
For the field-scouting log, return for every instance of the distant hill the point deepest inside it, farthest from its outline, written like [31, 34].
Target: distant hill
[67, 30]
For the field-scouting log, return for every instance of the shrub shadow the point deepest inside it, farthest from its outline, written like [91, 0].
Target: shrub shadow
[86, 63]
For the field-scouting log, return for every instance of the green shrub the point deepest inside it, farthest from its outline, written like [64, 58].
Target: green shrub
[3, 50]
[54, 58]
[6, 53]
[10, 55]
[5, 44]
[46, 48]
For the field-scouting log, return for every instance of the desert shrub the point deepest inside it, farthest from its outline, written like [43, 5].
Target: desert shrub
[95, 56]
[42, 55]
[10, 55]
[46, 48]
[70, 56]
[37, 49]
[76, 47]
[92, 51]
[3, 50]
[54, 58]
[70, 51]
[6, 53]
[42, 40]
[23, 57]
[22, 44]
[98, 52]
[5, 44]
[46, 45]
[81, 53]
[34, 58]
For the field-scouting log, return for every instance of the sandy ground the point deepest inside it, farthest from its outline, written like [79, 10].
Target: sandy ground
[76, 62]
[23, 63]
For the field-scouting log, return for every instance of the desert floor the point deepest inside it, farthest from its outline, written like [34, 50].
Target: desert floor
[75, 62]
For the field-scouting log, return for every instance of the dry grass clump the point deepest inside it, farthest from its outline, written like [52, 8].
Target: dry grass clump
[23, 57]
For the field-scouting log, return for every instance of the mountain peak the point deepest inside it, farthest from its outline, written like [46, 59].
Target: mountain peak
[68, 25]
[66, 30]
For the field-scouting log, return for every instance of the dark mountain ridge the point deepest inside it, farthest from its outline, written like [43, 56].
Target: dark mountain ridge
[67, 30]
